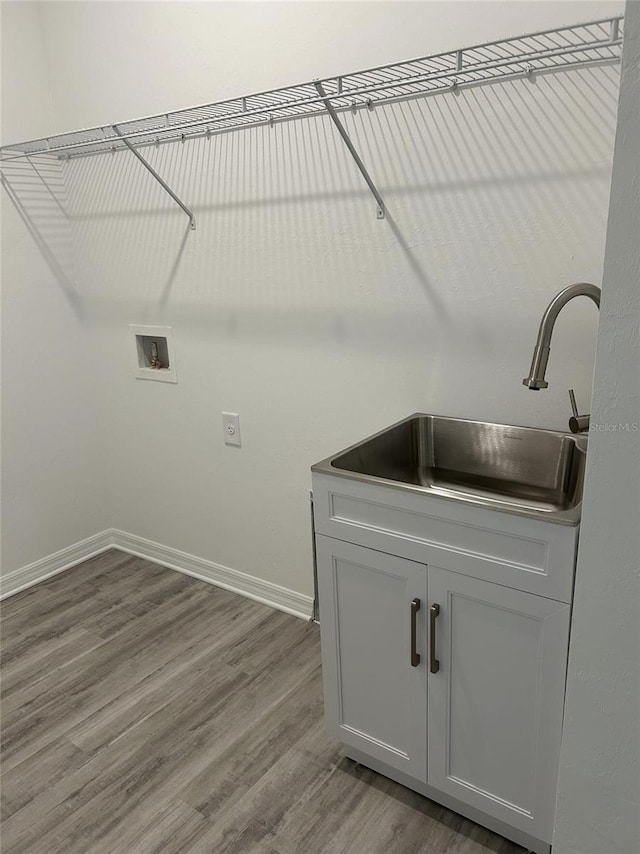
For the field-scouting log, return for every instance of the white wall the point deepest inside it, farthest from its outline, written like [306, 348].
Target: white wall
[52, 474]
[599, 787]
[291, 304]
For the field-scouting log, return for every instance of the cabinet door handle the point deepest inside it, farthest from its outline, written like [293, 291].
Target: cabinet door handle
[415, 655]
[434, 664]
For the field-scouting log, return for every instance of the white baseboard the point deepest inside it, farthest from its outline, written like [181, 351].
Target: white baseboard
[266, 592]
[51, 565]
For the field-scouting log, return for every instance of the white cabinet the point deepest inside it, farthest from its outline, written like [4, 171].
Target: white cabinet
[495, 705]
[375, 698]
[462, 702]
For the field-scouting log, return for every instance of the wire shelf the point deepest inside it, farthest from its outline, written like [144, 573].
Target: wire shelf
[560, 49]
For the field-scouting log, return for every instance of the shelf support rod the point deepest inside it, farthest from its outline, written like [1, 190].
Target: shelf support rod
[347, 141]
[163, 184]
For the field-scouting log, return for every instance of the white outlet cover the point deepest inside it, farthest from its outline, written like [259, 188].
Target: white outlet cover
[231, 428]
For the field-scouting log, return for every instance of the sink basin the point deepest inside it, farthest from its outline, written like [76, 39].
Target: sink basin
[520, 470]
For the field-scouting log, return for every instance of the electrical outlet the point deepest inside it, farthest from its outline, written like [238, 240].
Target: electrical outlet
[231, 428]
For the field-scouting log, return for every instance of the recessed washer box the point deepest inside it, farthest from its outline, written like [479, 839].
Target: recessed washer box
[154, 353]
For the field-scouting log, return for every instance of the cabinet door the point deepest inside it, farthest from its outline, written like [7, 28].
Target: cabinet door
[375, 696]
[496, 701]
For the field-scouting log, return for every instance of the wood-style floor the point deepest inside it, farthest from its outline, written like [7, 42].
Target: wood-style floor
[145, 711]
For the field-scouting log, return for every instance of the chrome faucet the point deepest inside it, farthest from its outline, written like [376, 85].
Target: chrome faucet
[535, 381]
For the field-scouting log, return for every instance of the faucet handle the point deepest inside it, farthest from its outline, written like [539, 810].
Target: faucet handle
[574, 406]
[579, 423]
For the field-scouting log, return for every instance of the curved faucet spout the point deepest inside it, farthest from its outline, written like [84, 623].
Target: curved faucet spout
[536, 380]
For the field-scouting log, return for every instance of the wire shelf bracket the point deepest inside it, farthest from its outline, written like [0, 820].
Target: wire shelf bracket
[163, 184]
[380, 213]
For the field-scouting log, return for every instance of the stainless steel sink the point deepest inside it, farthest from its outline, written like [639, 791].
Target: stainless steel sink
[522, 470]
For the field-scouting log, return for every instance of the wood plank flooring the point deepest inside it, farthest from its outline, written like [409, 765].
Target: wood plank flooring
[145, 711]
